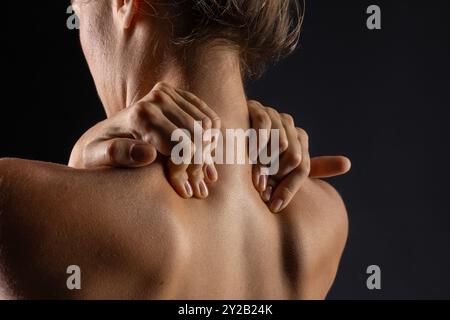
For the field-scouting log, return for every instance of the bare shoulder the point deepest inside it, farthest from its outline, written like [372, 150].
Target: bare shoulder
[3, 188]
[53, 216]
[16, 174]
[318, 219]
[23, 226]
[43, 180]
[26, 182]
[14, 169]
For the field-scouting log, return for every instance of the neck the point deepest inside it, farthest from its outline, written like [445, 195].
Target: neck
[215, 78]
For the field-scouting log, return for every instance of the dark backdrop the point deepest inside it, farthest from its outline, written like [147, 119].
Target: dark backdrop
[380, 97]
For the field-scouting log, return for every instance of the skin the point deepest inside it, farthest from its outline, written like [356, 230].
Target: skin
[133, 138]
[130, 232]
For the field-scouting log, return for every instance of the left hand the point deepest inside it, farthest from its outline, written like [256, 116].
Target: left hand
[295, 164]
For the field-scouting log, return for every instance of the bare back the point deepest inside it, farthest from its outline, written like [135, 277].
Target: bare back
[134, 238]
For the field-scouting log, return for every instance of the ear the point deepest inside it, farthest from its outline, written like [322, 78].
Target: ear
[125, 11]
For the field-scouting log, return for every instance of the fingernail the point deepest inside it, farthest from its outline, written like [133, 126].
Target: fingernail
[267, 194]
[188, 188]
[139, 153]
[276, 205]
[203, 189]
[262, 182]
[211, 172]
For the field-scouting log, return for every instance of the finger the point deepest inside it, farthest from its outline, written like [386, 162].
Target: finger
[201, 112]
[277, 124]
[212, 122]
[289, 160]
[204, 172]
[266, 119]
[289, 186]
[119, 152]
[149, 124]
[329, 166]
[261, 123]
[292, 157]
[202, 106]
[152, 126]
[259, 179]
[209, 148]
[179, 179]
[178, 164]
[197, 181]
[277, 145]
[173, 107]
[196, 173]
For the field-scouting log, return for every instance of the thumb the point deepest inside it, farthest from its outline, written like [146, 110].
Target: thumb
[119, 152]
[329, 166]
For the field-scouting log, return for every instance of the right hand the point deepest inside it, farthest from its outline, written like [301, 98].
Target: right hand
[134, 136]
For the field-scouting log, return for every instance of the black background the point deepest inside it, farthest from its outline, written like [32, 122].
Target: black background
[380, 97]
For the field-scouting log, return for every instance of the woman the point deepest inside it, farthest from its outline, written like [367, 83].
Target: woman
[131, 235]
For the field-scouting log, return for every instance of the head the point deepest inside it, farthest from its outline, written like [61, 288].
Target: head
[140, 38]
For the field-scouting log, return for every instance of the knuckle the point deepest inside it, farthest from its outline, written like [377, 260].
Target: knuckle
[196, 172]
[205, 108]
[152, 114]
[150, 138]
[140, 110]
[287, 193]
[136, 116]
[271, 111]
[306, 167]
[302, 133]
[193, 149]
[263, 119]
[190, 124]
[161, 86]
[190, 149]
[294, 159]
[207, 123]
[145, 113]
[160, 96]
[254, 104]
[216, 122]
[177, 173]
[202, 104]
[284, 145]
[287, 118]
[192, 96]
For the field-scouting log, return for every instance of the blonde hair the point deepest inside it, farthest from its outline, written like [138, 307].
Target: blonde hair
[262, 31]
